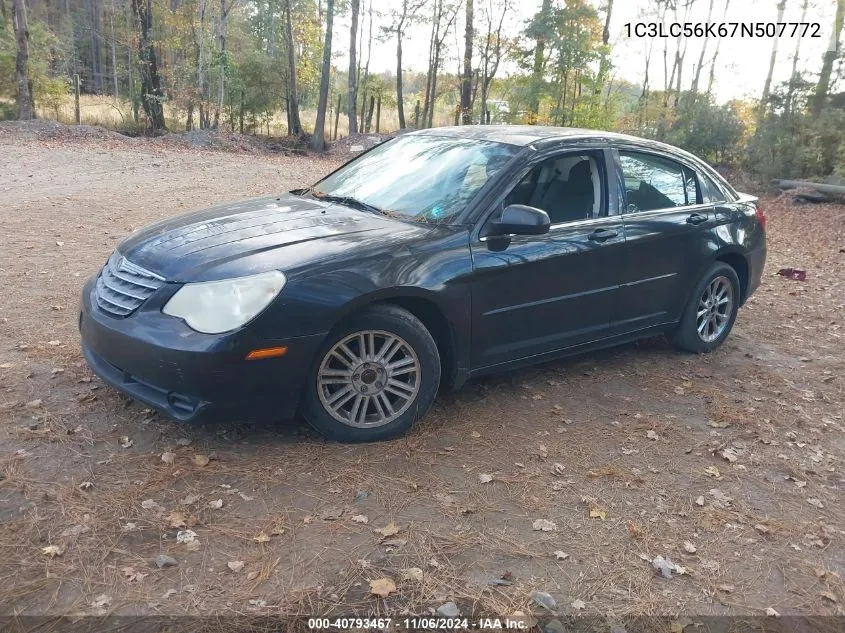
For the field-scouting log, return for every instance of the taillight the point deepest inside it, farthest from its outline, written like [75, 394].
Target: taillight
[761, 218]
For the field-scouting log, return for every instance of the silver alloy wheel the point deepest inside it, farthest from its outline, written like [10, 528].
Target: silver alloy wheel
[369, 378]
[714, 309]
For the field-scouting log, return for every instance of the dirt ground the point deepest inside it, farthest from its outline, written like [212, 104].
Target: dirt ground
[729, 464]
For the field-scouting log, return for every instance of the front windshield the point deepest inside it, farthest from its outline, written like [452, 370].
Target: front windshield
[425, 178]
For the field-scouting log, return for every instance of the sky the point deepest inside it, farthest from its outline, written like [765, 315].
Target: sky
[741, 66]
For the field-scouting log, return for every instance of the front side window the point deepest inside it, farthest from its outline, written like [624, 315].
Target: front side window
[419, 177]
[567, 187]
[654, 183]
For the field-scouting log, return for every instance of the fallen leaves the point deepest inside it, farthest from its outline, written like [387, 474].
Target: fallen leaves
[484, 478]
[689, 548]
[261, 538]
[412, 573]
[544, 525]
[652, 435]
[361, 518]
[200, 460]
[388, 530]
[52, 551]
[216, 504]
[560, 554]
[235, 565]
[816, 503]
[186, 536]
[331, 514]
[598, 513]
[382, 587]
[126, 441]
[578, 604]
[168, 458]
[132, 575]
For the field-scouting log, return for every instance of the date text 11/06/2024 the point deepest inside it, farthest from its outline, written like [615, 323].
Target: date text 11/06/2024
[420, 623]
[723, 29]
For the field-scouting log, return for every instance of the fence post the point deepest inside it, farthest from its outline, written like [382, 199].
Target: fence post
[76, 99]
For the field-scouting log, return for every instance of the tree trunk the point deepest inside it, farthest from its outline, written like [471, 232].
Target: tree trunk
[466, 80]
[697, 76]
[716, 54]
[767, 86]
[221, 35]
[151, 93]
[24, 97]
[537, 72]
[352, 98]
[200, 45]
[604, 63]
[435, 25]
[367, 70]
[400, 106]
[294, 125]
[318, 141]
[793, 77]
[830, 56]
[113, 52]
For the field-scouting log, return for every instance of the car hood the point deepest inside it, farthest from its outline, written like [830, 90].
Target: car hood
[248, 237]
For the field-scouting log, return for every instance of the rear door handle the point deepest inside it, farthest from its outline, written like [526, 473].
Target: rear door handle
[600, 235]
[696, 218]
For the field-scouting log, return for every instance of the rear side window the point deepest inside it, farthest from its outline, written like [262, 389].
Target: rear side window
[653, 183]
[709, 191]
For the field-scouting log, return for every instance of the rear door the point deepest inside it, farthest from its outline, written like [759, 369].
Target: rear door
[537, 294]
[666, 224]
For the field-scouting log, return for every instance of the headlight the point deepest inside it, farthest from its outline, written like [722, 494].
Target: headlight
[213, 307]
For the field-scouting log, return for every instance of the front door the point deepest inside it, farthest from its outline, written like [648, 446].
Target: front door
[537, 294]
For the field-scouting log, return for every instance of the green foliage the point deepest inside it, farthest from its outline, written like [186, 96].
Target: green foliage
[705, 129]
[791, 143]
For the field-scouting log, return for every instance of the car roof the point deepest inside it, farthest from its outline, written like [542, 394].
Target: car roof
[522, 135]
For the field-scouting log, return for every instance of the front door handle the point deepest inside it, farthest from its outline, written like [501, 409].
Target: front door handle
[600, 235]
[696, 218]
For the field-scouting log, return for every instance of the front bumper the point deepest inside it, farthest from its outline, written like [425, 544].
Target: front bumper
[190, 376]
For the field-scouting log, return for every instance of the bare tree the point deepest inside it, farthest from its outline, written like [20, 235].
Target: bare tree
[767, 86]
[466, 79]
[830, 56]
[151, 92]
[24, 96]
[604, 63]
[367, 68]
[401, 20]
[221, 38]
[793, 77]
[697, 76]
[352, 98]
[716, 54]
[318, 141]
[491, 52]
[438, 37]
[294, 125]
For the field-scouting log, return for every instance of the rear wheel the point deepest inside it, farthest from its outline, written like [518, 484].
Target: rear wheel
[376, 375]
[711, 311]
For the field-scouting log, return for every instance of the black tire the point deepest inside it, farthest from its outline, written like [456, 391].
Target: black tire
[389, 320]
[687, 336]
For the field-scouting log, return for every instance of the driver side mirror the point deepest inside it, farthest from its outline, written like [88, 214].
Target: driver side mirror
[520, 219]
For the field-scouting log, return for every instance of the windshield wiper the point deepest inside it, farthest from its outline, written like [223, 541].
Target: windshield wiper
[349, 201]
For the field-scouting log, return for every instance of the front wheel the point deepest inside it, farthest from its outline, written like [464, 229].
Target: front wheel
[711, 311]
[376, 375]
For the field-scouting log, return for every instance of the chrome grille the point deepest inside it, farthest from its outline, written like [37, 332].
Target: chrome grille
[122, 286]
